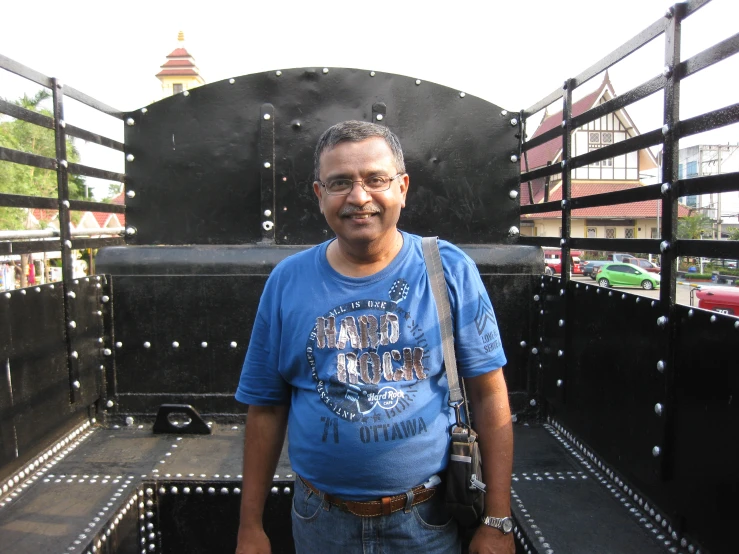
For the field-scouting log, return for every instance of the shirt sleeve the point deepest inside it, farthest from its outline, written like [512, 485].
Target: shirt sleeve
[477, 341]
[261, 383]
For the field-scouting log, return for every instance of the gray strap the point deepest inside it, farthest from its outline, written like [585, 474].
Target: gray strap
[438, 286]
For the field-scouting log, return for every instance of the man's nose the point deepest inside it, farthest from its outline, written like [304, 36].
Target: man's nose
[358, 195]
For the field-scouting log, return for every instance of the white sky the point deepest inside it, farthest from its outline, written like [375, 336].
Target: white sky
[512, 53]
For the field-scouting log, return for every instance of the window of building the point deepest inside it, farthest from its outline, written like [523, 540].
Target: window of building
[629, 233]
[610, 233]
[177, 88]
[692, 169]
[655, 233]
[592, 232]
[680, 171]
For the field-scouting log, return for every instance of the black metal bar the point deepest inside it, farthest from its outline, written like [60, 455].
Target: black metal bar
[541, 172]
[629, 47]
[726, 182]
[647, 246]
[543, 103]
[19, 112]
[18, 157]
[82, 244]
[709, 248]
[523, 154]
[632, 144]
[90, 101]
[29, 246]
[566, 183]
[708, 121]
[692, 6]
[539, 241]
[86, 206]
[23, 201]
[64, 230]
[78, 169]
[551, 134]
[541, 208]
[651, 192]
[709, 56]
[267, 171]
[634, 95]
[26, 72]
[94, 137]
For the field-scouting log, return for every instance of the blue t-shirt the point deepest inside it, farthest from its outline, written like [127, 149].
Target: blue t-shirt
[359, 360]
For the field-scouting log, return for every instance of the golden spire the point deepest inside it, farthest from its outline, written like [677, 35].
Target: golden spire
[181, 36]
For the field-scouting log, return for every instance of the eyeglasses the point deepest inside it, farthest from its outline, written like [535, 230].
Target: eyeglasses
[375, 183]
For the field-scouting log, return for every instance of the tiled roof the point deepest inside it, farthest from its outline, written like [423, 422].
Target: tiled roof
[179, 53]
[539, 156]
[176, 72]
[44, 215]
[178, 63]
[634, 210]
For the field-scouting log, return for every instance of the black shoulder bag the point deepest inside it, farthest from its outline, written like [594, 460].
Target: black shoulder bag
[464, 487]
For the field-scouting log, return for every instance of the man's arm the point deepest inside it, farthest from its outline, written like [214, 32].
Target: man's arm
[491, 414]
[263, 439]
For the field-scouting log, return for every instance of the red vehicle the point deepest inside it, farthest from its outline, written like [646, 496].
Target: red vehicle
[719, 299]
[643, 263]
[553, 261]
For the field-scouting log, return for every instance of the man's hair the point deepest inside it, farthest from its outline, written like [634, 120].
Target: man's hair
[355, 131]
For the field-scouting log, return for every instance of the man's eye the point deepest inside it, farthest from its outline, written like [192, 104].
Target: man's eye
[375, 181]
[339, 184]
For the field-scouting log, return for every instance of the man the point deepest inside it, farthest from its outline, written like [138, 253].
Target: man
[346, 353]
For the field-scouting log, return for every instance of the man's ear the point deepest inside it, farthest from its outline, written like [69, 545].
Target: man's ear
[404, 183]
[319, 194]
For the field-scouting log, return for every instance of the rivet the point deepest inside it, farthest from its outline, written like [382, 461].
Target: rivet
[532, 402]
[75, 355]
[173, 490]
[118, 344]
[658, 409]
[204, 344]
[560, 382]
[736, 325]
[372, 74]
[662, 321]
[73, 324]
[418, 82]
[665, 188]
[665, 129]
[186, 93]
[713, 319]
[513, 194]
[267, 213]
[513, 231]
[267, 165]
[560, 353]
[514, 121]
[233, 344]
[199, 490]
[211, 490]
[130, 231]
[224, 490]
[563, 164]
[175, 344]
[129, 421]
[7, 295]
[462, 95]
[147, 344]
[561, 322]
[523, 344]
[110, 403]
[666, 71]
[107, 352]
[130, 122]
[68, 243]
[76, 385]
[144, 110]
[690, 312]
[66, 203]
[514, 158]
[267, 225]
[278, 73]
[656, 451]
[504, 113]
[274, 490]
[535, 350]
[267, 116]
[231, 81]
[563, 124]
[379, 117]
[325, 70]
[129, 157]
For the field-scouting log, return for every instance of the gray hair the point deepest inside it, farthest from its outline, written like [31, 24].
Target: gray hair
[355, 131]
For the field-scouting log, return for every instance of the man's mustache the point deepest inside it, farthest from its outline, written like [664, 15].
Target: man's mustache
[367, 208]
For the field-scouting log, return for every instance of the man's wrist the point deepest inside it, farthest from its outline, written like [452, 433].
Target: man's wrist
[502, 524]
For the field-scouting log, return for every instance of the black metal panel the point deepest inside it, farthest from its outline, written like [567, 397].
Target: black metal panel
[199, 154]
[183, 339]
[611, 383]
[705, 482]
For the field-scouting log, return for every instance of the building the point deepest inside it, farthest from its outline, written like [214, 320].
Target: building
[702, 160]
[179, 73]
[635, 220]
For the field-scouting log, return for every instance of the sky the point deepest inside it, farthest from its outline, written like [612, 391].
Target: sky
[510, 53]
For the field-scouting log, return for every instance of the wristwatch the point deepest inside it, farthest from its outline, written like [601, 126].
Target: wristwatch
[502, 524]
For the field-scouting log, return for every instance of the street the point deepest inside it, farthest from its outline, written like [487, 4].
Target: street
[682, 292]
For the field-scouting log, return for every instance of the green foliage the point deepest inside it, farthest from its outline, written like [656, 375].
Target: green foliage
[27, 180]
[690, 227]
[734, 233]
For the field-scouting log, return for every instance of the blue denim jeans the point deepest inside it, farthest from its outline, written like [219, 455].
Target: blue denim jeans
[321, 528]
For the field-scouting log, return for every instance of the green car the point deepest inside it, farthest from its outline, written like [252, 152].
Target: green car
[619, 274]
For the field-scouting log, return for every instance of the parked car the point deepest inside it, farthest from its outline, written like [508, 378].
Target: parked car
[620, 274]
[618, 257]
[554, 265]
[643, 263]
[588, 267]
[724, 300]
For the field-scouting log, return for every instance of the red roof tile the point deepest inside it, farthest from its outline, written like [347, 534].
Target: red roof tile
[176, 72]
[179, 53]
[178, 63]
[643, 209]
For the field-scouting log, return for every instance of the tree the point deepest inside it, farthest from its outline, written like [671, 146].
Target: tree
[734, 233]
[27, 180]
[693, 226]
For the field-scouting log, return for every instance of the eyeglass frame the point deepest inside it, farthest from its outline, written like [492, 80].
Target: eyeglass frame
[362, 181]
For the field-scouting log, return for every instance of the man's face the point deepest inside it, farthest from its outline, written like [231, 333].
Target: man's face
[361, 217]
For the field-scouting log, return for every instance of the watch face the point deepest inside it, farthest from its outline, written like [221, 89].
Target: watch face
[507, 525]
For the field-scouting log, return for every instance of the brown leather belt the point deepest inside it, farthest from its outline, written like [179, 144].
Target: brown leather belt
[374, 508]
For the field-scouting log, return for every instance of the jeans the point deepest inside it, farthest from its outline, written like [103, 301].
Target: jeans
[321, 528]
